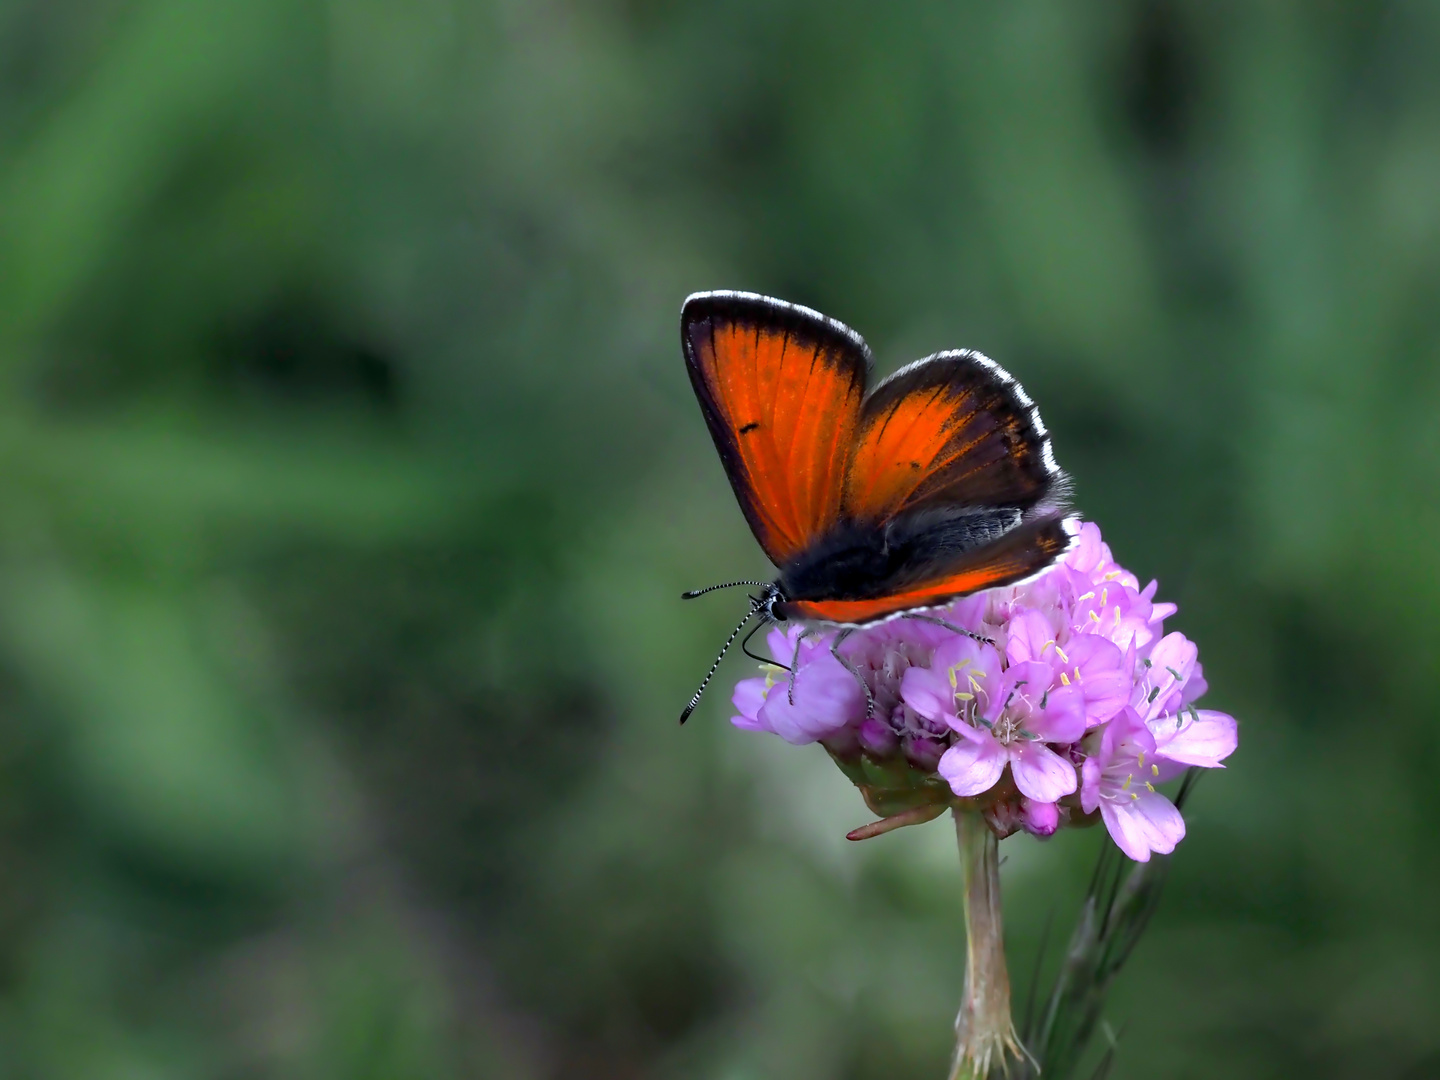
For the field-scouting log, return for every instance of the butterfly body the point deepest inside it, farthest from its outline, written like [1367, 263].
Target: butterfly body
[872, 502]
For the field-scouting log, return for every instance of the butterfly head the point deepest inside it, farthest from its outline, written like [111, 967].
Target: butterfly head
[770, 604]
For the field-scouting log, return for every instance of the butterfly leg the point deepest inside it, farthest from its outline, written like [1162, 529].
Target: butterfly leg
[795, 664]
[835, 652]
[947, 625]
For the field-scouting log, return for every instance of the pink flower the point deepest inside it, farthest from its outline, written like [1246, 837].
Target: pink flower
[1003, 719]
[826, 696]
[1080, 676]
[1136, 754]
[1140, 820]
[1092, 677]
[1039, 818]
[1169, 679]
[883, 657]
[827, 702]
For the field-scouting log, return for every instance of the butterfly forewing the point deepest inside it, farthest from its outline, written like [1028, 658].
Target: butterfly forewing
[781, 389]
[953, 429]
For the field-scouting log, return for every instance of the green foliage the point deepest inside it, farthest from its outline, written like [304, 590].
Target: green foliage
[1117, 908]
[350, 477]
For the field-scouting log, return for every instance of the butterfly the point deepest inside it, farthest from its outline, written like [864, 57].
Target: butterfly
[872, 501]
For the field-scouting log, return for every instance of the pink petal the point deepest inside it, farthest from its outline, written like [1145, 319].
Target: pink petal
[1164, 827]
[1088, 551]
[1090, 785]
[972, 733]
[928, 692]
[969, 660]
[1162, 770]
[1064, 719]
[749, 695]
[1145, 822]
[781, 644]
[1041, 773]
[1171, 662]
[959, 651]
[973, 767]
[1196, 686]
[1206, 741]
[1125, 830]
[827, 697]
[1126, 735]
[969, 612]
[1029, 637]
[1024, 687]
[1107, 679]
[1040, 818]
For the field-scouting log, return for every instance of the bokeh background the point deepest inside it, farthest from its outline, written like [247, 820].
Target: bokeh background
[349, 477]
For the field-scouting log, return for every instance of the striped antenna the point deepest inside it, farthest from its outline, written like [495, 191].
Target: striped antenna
[693, 593]
[711, 673]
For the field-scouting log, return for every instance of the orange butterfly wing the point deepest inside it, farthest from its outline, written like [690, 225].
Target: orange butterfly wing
[781, 388]
[952, 489]
[953, 429]
[1023, 551]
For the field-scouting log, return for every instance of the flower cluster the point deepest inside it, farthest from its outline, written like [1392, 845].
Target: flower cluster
[1040, 704]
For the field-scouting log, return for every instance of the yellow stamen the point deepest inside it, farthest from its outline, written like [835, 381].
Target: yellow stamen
[772, 674]
[1065, 678]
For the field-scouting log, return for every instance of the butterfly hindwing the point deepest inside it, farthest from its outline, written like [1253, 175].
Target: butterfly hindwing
[953, 429]
[781, 388]
[1017, 554]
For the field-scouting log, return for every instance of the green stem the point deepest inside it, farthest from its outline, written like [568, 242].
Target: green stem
[984, 1032]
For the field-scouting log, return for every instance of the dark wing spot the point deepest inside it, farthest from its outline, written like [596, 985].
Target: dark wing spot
[749, 427]
[914, 465]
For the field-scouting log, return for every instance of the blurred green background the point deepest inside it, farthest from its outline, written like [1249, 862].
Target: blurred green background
[349, 477]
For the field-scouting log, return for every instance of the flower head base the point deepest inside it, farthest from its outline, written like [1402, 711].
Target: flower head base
[1037, 705]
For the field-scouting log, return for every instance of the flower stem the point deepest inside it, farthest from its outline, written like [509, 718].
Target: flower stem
[984, 1032]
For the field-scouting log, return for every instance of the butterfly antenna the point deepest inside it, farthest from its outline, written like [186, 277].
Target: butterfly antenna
[693, 593]
[711, 673]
